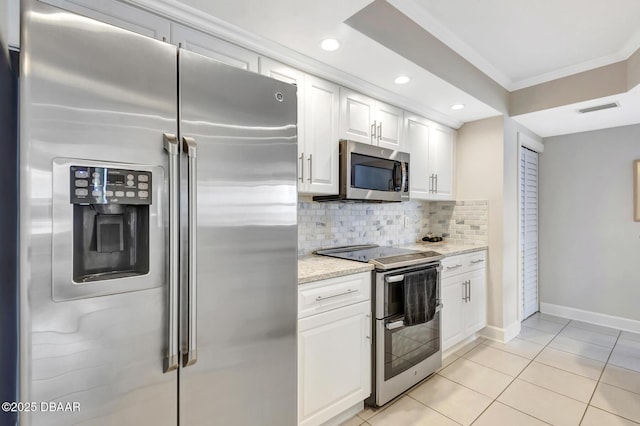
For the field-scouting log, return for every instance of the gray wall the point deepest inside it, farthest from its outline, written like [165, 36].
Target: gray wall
[589, 243]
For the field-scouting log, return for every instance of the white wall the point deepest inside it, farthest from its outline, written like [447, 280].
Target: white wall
[487, 164]
[479, 167]
[589, 243]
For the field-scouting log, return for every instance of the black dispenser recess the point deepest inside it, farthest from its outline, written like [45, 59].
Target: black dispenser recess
[110, 222]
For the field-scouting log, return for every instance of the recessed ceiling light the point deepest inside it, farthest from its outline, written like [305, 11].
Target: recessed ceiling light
[457, 107]
[401, 79]
[330, 44]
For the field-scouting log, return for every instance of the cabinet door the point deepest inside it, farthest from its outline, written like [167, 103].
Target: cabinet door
[119, 15]
[214, 48]
[417, 131]
[290, 75]
[356, 116]
[441, 151]
[475, 315]
[334, 362]
[321, 136]
[453, 323]
[389, 120]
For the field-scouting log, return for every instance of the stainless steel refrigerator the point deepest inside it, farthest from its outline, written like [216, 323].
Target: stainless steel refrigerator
[158, 232]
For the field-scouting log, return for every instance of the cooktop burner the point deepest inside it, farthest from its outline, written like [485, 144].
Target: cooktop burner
[382, 257]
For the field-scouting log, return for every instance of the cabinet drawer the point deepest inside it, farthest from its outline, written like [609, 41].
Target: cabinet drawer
[325, 295]
[476, 260]
[462, 263]
[453, 265]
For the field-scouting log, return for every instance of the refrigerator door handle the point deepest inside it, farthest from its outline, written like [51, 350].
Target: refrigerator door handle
[190, 357]
[172, 147]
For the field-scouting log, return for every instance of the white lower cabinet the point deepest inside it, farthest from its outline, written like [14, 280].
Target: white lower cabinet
[463, 289]
[334, 348]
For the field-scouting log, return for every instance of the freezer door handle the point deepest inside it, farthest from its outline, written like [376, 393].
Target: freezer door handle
[189, 356]
[172, 147]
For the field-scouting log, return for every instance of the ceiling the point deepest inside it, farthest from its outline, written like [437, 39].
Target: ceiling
[522, 42]
[518, 43]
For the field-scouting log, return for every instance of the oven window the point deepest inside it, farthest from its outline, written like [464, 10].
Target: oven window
[407, 346]
[375, 173]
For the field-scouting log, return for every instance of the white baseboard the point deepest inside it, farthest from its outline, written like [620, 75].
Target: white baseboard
[502, 335]
[345, 415]
[591, 317]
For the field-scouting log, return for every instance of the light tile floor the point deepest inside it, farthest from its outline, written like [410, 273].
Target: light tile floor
[556, 371]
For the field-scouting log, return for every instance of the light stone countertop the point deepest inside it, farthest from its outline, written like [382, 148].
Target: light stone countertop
[314, 268]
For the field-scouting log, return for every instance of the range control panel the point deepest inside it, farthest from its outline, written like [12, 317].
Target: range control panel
[101, 185]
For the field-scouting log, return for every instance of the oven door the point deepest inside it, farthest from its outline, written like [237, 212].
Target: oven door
[404, 355]
[405, 347]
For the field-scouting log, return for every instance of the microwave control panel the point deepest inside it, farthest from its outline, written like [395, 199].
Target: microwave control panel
[101, 185]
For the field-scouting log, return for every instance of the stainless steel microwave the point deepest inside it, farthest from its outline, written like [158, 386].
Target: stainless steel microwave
[371, 173]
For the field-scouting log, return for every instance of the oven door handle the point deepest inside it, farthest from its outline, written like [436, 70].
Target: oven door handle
[394, 278]
[395, 324]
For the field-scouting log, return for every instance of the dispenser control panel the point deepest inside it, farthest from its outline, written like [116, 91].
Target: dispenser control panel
[101, 185]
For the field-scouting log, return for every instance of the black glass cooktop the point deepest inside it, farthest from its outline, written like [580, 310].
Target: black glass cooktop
[382, 257]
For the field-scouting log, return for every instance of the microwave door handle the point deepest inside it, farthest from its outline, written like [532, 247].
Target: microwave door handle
[189, 146]
[403, 168]
[171, 145]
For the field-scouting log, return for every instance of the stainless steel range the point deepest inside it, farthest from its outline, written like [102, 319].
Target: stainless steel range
[406, 320]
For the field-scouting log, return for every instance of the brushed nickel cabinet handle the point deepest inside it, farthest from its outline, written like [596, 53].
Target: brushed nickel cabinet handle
[310, 168]
[349, 291]
[301, 158]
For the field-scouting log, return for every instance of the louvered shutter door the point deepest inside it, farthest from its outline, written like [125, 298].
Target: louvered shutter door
[529, 230]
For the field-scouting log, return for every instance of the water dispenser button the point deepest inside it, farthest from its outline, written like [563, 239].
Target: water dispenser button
[81, 192]
[96, 193]
[119, 193]
[82, 183]
[131, 194]
[109, 193]
[83, 174]
[143, 186]
[143, 194]
[129, 177]
[143, 178]
[130, 183]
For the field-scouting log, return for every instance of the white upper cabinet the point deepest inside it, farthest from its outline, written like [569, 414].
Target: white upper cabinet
[213, 47]
[119, 15]
[356, 116]
[388, 120]
[320, 141]
[318, 114]
[441, 151]
[431, 147]
[363, 119]
[417, 136]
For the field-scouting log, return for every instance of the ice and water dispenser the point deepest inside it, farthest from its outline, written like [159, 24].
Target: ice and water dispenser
[109, 231]
[110, 222]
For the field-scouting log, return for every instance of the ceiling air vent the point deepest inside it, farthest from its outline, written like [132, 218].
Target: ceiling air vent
[599, 107]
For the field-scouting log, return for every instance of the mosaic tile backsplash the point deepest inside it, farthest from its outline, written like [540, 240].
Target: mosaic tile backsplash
[335, 224]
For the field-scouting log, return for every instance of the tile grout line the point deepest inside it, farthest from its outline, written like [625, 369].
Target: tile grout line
[598, 382]
[406, 393]
[514, 379]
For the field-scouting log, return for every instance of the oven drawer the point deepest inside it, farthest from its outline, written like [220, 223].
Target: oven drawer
[462, 263]
[333, 293]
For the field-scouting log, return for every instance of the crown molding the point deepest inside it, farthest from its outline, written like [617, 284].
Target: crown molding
[187, 15]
